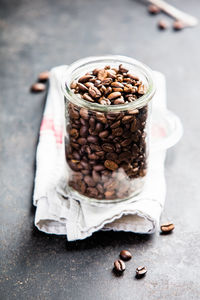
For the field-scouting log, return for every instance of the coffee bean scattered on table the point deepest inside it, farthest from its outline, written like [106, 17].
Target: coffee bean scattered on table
[38, 87]
[106, 151]
[141, 271]
[167, 228]
[43, 76]
[178, 25]
[119, 266]
[163, 25]
[153, 9]
[125, 255]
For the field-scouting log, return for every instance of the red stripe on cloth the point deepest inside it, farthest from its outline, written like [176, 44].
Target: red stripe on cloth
[48, 125]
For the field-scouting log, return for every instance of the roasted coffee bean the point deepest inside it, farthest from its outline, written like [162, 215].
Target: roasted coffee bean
[153, 9]
[106, 174]
[74, 145]
[127, 119]
[99, 127]
[111, 116]
[74, 132]
[108, 91]
[92, 139]
[118, 147]
[126, 142]
[119, 265]
[89, 181]
[73, 113]
[84, 122]
[104, 101]
[134, 77]
[118, 90]
[76, 155]
[83, 187]
[168, 227]
[98, 83]
[103, 134]
[100, 153]
[110, 194]
[82, 87]
[100, 188]
[101, 117]
[99, 167]
[73, 165]
[117, 131]
[43, 76]
[125, 255]
[143, 172]
[102, 89]
[134, 124]
[85, 165]
[77, 176]
[162, 24]
[141, 271]
[102, 74]
[84, 131]
[92, 122]
[122, 69]
[141, 89]
[89, 84]
[110, 185]
[112, 156]
[114, 95]
[136, 136]
[92, 192]
[95, 71]
[117, 85]
[178, 25]
[108, 147]
[94, 92]
[111, 165]
[111, 74]
[95, 147]
[96, 176]
[93, 156]
[87, 97]
[85, 78]
[125, 156]
[38, 87]
[115, 124]
[73, 85]
[107, 81]
[119, 101]
[82, 141]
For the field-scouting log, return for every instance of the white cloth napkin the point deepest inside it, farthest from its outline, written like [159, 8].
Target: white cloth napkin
[57, 212]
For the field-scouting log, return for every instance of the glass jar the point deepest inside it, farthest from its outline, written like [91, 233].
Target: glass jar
[106, 146]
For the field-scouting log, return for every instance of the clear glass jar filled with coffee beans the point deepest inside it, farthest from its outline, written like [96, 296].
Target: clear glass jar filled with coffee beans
[107, 112]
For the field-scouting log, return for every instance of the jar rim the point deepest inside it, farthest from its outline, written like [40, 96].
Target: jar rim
[77, 100]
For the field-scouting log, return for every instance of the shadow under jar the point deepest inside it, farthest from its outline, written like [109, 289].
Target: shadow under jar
[106, 145]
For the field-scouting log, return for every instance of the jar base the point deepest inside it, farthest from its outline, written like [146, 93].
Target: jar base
[105, 202]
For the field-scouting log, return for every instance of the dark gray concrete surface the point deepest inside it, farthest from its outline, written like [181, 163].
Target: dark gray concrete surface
[35, 36]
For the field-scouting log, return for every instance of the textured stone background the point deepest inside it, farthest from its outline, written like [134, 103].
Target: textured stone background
[37, 35]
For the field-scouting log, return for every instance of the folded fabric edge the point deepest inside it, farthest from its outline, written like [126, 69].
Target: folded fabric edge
[148, 224]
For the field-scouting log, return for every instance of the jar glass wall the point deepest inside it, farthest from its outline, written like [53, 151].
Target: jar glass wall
[106, 146]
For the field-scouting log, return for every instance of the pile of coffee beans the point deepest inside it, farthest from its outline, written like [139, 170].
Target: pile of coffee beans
[106, 151]
[109, 86]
